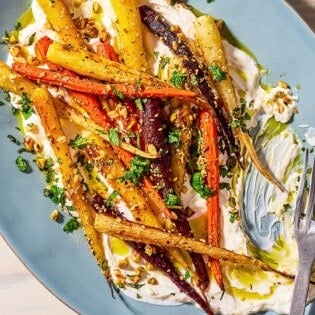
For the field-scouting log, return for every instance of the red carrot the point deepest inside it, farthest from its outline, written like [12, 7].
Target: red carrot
[210, 153]
[96, 88]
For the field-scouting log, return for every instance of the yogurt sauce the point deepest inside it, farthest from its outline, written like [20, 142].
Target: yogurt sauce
[246, 292]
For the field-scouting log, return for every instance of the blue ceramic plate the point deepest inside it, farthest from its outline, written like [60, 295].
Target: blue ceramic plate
[280, 41]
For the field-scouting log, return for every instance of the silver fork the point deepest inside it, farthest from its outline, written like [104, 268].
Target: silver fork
[305, 239]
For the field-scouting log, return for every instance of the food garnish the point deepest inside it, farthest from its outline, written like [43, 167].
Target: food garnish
[146, 133]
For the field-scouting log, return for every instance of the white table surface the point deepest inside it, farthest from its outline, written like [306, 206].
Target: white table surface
[21, 293]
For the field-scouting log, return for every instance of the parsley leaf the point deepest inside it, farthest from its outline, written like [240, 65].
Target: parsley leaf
[139, 166]
[113, 136]
[31, 39]
[23, 165]
[71, 225]
[78, 142]
[198, 184]
[26, 106]
[172, 199]
[177, 79]
[118, 93]
[17, 26]
[218, 74]
[109, 201]
[56, 194]
[173, 137]
[239, 117]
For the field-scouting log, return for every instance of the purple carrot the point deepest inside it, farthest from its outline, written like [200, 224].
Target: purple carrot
[158, 26]
[154, 133]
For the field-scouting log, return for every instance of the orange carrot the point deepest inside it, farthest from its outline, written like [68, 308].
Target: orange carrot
[94, 87]
[210, 153]
[107, 50]
[41, 47]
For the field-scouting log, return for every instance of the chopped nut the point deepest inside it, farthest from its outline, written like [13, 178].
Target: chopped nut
[149, 250]
[149, 267]
[32, 128]
[29, 143]
[96, 7]
[38, 147]
[123, 263]
[41, 163]
[152, 281]
[15, 50]
[77, 3]
[54, 215]
[61, 139]
[136, 257]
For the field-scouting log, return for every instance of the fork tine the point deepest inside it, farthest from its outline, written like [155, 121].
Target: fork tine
[310, 201]
[300, 195]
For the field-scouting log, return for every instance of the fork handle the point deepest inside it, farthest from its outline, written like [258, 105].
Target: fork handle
[302, 279]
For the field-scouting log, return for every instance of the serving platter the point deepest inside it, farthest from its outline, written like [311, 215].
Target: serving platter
[281, 42]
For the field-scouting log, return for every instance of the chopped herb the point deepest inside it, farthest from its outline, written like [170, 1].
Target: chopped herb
[139, 296]
[239, 117]
[198, 184]
[187, 275]
[113, 136]
[23, 165]
[232, 201]
[2, 103]
[5, 38]
[225, 185]
[56, 194]
[31, 39]
[71, 225]
[225, 171]
[193, 80]
[68, 47]
[118, 93]
[136, 285]
[177, 79]
[218, 74]
[139, 104]
[17, 26]
[234, 216]
[109, 201]
[78, 142]
[89, 167]
[26, 106]
[139, 84]
[156, 55]
[173, 137]
[164, 61]
[50, 176]
[286, 207]
[139, 166]
[49, 163]
[172, 199]
[15, 111]
[210, 1]
[6, 96]
[14, 140]
[132, 135]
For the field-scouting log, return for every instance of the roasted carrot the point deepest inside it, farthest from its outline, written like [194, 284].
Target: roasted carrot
[94, 87]
[89, 103]
[210, 153]
[41, 47]
[107, 50]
